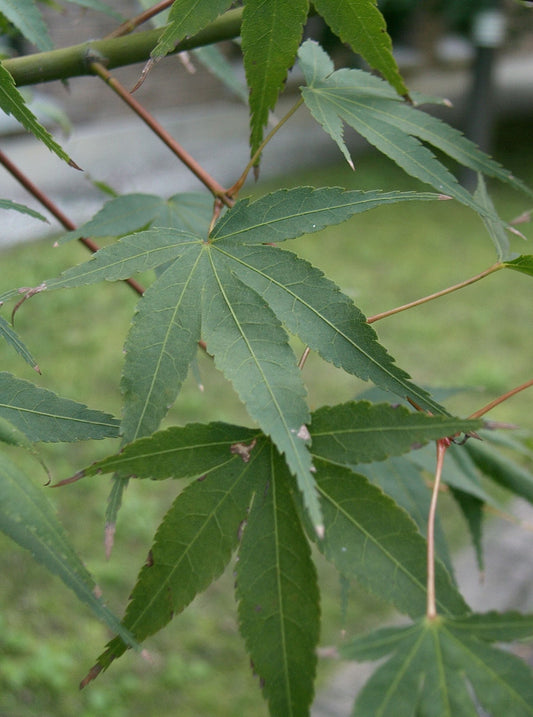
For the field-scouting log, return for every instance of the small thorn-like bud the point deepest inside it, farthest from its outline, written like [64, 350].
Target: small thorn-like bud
[446, 102]
[320, 531]
[72, 163]
[444, 197]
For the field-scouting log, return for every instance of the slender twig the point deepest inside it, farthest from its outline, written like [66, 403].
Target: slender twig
[501, 399]
[55, 211]
[214, 187]
[303, 358]
[436, 295]
[234, 190]
[431, 609]
[134, 22]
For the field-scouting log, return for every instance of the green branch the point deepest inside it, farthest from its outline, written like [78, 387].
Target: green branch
[76, 60]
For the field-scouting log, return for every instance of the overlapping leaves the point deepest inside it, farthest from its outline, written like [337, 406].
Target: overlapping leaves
[446, 666]
[271, 32]
[236, 293]
[372, 108]
[245, 496]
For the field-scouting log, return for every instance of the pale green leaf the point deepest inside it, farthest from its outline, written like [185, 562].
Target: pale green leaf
[186, 18]
[276, 587]
[523, 263]
[13, 103]
[368, 537]
[313, 307]
[43, 416]
[251, 348]
[495, 229]
[16, 342]
[217, 64]
[271, 32]
[158, 353]
[360, 24]
[439, 668]
[192, 546]
[28, 518]
[190, 212]
[179, 452]
[393, 126]
[22, 208]
[362, 432]
[289, 213]
[27, 18]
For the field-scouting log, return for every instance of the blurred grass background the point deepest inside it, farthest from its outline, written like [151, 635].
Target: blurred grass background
[479, 337]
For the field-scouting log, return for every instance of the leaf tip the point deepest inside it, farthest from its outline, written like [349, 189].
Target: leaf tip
[91, 675]
[72, 163]
[320, 531]
[444, 197]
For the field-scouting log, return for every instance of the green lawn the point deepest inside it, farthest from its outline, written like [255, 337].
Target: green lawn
[480, 337]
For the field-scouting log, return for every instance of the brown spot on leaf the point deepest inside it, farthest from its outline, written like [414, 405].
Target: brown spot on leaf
[243, 450]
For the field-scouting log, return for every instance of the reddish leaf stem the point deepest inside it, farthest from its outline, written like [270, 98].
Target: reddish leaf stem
[431, 609]
[134, 22]
[501, 399]
[436, 295]
[214, 187]
[55, 211]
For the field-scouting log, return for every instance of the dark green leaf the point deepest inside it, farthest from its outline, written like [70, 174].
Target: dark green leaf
[368, 537]
[43, 416]
[158, 353]
[179, 452]
[502, 470]
[28, 518]
[186, 18]
[289, 213]
[251, 348]
[271, 32]
[8, 204]
[192, 546]
[402, 480]
[523, 263]
[313, 307]
[361, 25]
[13, 103]
[278, 597]
[440, 668]
[362, 432]
[16, 342]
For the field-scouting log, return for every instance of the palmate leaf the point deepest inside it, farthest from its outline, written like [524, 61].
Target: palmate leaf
[13, 103]
[43, 416]
[445, 666]
[271, 33]
[277, 592]
[234, 296]
[369, 105]
[28, 518]
[502, 470]
[195, 540]
[360, 24]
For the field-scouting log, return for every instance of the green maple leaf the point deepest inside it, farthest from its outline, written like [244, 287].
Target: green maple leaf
[271, 33]
[522, 263]
[239, 295]
[360, 24]
[242, 491]
[372, 108]
[446, 666]
[13, 103]
[14, 340]
[29, 519]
